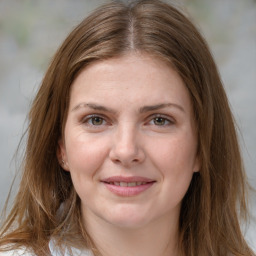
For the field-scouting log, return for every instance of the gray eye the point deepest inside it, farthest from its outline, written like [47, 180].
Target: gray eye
[159, 121]
[96, 120]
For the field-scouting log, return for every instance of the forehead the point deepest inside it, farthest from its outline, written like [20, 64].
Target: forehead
[134, 77]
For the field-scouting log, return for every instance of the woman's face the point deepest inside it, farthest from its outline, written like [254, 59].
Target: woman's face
[130, 143]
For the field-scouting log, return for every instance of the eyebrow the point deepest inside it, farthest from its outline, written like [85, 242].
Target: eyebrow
[160, 106]
[93, 106]
[143, 109]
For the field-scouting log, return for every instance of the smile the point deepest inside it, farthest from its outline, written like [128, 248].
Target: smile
[128, 186]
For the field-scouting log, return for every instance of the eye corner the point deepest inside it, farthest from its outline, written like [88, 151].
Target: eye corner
[94, 121]
[160, 120]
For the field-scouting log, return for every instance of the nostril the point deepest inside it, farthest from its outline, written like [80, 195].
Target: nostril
[126, 155]
[117, 161]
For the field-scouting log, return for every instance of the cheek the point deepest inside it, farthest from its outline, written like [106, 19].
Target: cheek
[177, 154]
[175, 159]
[85, 154]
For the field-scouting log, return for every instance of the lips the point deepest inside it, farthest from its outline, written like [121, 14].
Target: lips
[127, 186]
[127, 179]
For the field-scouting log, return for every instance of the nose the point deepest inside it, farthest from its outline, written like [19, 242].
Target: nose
[126, 148]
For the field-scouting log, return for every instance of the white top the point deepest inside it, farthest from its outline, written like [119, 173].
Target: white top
[54, 252]
[19, 252]
[75, 252]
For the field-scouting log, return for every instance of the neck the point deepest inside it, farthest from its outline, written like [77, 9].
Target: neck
[157, 238]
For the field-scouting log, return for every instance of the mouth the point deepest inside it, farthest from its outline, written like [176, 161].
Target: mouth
[128, 186]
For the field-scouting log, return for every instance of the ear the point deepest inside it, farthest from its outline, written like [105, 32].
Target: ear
[62, 155]
[197, 164]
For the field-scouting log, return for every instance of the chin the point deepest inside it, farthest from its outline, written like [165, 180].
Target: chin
[128, 223]
[127, 218]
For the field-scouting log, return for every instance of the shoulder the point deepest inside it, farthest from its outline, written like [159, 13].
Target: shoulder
[18, 252]
[67, 251]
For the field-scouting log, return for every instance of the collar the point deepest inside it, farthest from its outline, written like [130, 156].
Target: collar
[67, 252]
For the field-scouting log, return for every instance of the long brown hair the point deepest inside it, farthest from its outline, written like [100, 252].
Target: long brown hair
[47, 205]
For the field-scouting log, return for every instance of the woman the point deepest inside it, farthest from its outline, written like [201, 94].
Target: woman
[131, 145]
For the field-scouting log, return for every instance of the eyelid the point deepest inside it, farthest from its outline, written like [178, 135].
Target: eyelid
[164, 116]
[85, 119]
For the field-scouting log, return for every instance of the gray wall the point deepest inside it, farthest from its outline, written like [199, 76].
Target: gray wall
[31, 31]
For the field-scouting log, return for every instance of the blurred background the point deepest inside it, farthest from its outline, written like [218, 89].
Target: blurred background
[32, 30]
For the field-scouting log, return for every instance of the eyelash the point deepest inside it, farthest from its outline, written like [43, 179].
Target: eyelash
[88, 120]
[167, 120]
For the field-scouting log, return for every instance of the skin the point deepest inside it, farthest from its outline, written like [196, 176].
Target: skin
[128, 138]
